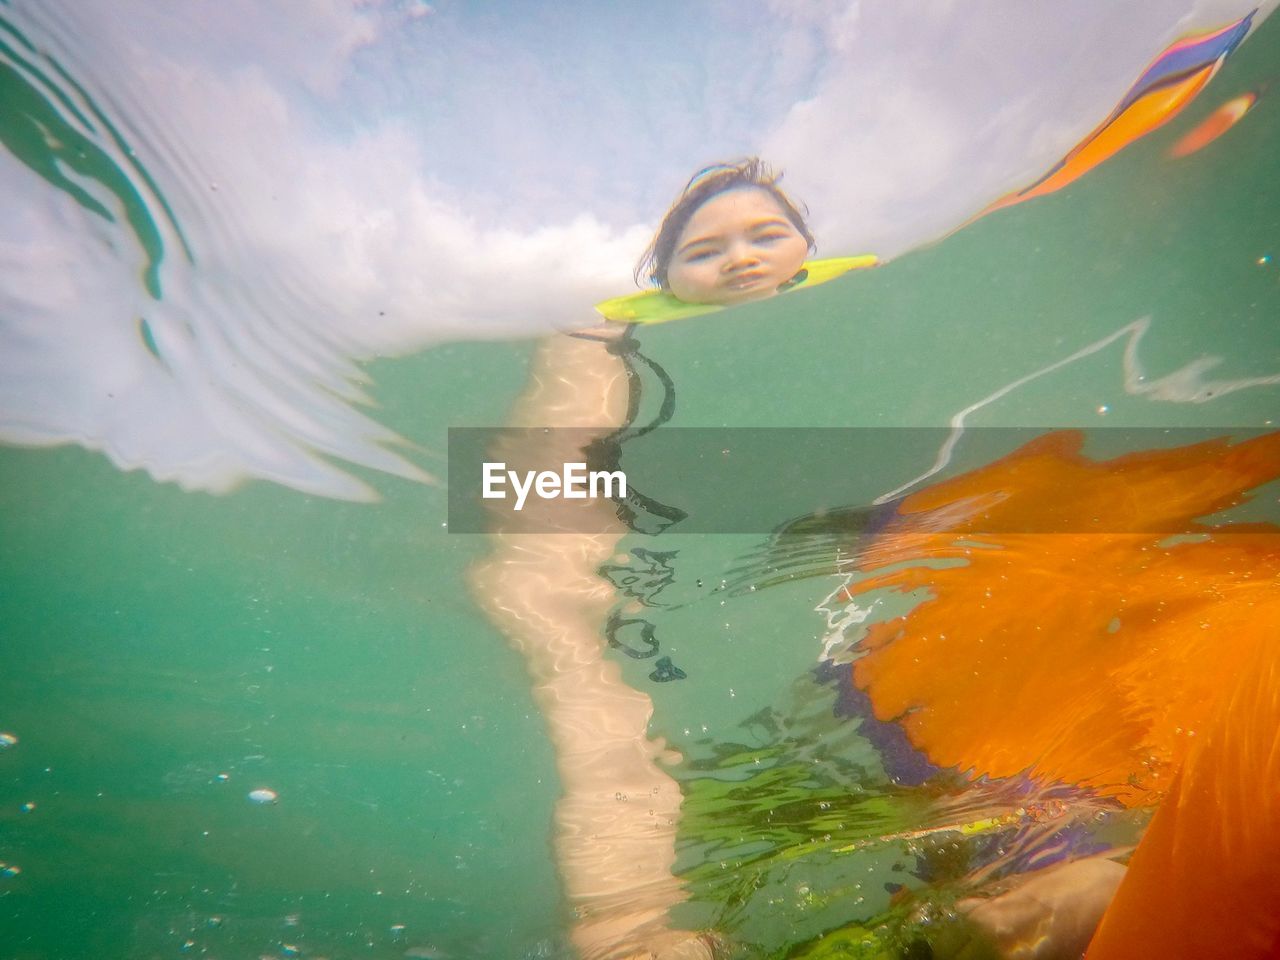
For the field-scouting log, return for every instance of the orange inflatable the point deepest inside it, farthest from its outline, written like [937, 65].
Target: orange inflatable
[1168, 84]
[1083, 628]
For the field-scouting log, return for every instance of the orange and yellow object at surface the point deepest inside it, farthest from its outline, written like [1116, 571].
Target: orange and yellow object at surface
[1121, 648]
[1171, 81]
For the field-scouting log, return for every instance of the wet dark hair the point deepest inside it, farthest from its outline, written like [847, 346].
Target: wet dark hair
[707, 183]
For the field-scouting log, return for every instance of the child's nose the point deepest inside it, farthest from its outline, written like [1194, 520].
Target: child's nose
[740, 255]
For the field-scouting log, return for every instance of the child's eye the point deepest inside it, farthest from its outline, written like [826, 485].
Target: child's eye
[771, 237]
[699, 256]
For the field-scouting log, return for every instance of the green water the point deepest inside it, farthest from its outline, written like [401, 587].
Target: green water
[154, 640]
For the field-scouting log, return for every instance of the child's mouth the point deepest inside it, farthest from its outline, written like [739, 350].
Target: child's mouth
[745, 281]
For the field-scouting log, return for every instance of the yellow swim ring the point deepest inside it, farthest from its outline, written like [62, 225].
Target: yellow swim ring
[659, 306]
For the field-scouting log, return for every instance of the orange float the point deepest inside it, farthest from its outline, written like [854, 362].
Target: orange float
[1168, 84]
[1083, 627]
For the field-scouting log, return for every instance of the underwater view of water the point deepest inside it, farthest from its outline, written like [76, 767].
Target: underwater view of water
[254, 704]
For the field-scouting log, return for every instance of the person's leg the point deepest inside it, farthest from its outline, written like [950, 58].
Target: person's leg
[616, 823]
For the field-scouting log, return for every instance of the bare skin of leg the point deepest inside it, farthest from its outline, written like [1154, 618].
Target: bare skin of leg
[1052, 914]
[615, 825]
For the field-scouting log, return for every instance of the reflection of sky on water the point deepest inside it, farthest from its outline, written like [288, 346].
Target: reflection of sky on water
[368, 179]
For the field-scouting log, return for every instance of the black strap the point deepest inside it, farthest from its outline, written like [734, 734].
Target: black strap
[641, 513]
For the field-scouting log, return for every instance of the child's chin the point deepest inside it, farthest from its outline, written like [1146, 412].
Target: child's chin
[762, 292]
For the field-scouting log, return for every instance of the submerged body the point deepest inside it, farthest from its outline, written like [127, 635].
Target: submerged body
[733, 237]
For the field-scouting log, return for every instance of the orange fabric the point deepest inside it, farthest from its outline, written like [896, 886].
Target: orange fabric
[1143, 667]
[1089, 658]
[1205, 881]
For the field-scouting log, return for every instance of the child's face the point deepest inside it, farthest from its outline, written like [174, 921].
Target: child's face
[738, 246]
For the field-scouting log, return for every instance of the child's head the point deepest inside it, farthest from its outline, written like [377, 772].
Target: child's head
[732, 236]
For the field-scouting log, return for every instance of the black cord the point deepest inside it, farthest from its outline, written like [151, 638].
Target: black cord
[641, 513]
